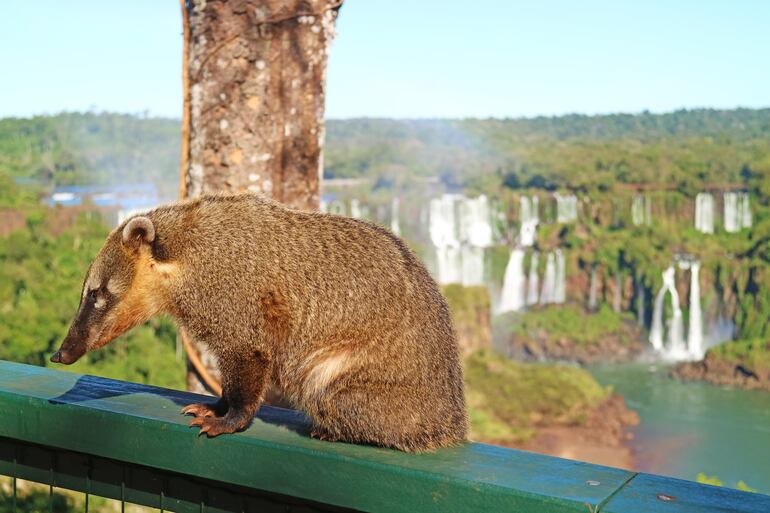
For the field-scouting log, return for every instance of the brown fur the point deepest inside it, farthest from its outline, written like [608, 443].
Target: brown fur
[338, 313]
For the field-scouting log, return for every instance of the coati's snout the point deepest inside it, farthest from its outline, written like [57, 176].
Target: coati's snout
[110, 303]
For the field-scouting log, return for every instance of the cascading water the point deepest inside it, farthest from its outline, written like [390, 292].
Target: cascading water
[560, 292]
[704, 212]
[528, 220]
[549, 281]
[395, 227]
[519, 292]
[695, 327]
[472, 261]
[444, 237]
[460, 229]
[641, 210]
[675, 348]
[513, 296]
[448, 265]
[566, 208]
[533, 280]
[737, 211]
[355, 209]
[592, 290]
[475, 225]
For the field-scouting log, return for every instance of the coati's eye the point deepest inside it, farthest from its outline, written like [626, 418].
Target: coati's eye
[92, 295]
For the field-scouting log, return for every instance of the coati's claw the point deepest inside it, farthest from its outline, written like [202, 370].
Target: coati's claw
[214, 426]
[322, 435]
[200, 410]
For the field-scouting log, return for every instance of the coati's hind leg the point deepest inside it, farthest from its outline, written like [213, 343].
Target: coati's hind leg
[400, 417]
[243, 383]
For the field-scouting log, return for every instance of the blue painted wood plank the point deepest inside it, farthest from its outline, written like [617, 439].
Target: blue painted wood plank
[648, 493]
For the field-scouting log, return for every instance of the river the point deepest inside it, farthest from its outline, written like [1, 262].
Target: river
[688, 428]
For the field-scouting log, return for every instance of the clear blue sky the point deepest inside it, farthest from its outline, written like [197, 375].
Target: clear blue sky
[418, 58]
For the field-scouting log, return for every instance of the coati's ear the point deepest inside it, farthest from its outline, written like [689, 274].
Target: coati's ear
[137, 231]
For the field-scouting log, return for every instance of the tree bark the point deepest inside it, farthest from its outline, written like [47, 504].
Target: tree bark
[254, 101]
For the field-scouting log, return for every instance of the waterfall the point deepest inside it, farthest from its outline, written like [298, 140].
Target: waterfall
[442, 222]
[355, 209]
[560, 292]
[443, 234]
[566, 208]
[448, 265]
[394, 225]
[695, 328]
[472, 265]
[737, 211]
[529, 218]
[704, 212]
[675, 348]
[513, 297]
[460, 229]
[746, 217]
[499, 221]
[592, 289]
[548, 292]
[532, 281]
[475, 225]
[641, 210]
[656, 330]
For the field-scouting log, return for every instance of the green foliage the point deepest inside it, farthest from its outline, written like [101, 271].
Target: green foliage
[587, 153]
[465, 303]
[564, 322]
[508, 400]
[41, 275]
[34, 498]
[752, 353]
[709, 480]
[715, 481]
[72, 148]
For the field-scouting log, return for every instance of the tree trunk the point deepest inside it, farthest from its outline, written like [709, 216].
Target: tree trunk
[254, 101]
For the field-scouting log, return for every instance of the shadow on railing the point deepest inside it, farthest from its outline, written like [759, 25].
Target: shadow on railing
[128, 442]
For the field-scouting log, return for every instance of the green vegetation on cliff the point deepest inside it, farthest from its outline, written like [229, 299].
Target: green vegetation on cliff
[509, 400]
[568, 322]
[470, 307]
[754, 354]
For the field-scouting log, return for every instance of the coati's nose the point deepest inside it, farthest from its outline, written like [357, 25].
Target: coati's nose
[56, 357]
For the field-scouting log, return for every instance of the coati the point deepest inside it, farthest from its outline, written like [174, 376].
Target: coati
[337, 313]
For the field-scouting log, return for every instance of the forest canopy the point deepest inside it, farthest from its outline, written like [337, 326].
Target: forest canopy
[686, 149]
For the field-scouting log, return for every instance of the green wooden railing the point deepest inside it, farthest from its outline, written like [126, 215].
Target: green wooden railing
[129, 442]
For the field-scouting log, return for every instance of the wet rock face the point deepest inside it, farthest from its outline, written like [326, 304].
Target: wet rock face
[720, 371]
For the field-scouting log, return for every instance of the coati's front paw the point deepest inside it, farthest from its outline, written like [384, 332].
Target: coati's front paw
[214, 426]
[200, 410]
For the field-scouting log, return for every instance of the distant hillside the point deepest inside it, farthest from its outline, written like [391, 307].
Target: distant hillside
[71, 149]
[581, 152]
